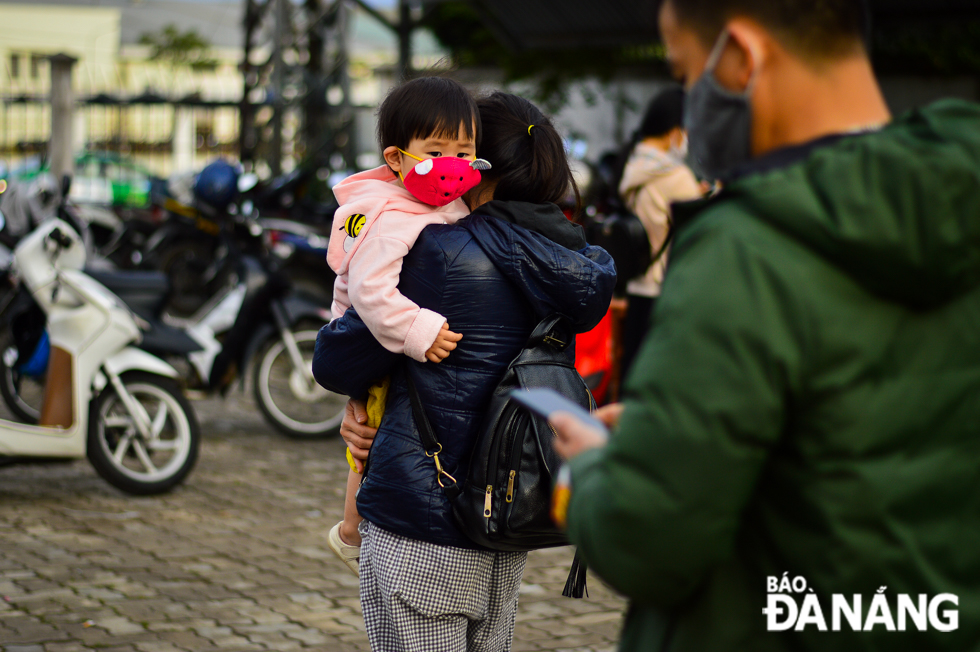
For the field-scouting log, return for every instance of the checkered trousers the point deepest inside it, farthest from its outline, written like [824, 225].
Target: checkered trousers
[420, 597]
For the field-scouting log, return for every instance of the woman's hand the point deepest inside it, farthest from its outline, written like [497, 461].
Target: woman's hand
[356, 433]
[575, 437]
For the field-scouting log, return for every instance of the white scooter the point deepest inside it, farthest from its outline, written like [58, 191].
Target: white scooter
[104, 398]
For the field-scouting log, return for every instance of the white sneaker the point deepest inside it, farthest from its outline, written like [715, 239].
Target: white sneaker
[348, 554]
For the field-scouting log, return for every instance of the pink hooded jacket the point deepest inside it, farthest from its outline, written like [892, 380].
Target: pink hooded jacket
[376, 225]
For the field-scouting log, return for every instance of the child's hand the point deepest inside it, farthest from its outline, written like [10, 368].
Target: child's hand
[444, 344]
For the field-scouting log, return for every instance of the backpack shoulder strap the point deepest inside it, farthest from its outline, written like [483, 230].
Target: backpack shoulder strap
[552, 330]
[430, 443]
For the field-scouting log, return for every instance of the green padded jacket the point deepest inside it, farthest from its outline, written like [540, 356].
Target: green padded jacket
[806, 408]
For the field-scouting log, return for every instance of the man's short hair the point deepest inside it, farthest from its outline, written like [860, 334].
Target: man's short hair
[822, 29]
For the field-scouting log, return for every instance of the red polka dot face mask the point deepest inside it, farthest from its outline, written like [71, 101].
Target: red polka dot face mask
[444, 179]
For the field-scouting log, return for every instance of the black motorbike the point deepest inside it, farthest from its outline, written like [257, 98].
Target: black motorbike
[191, 244]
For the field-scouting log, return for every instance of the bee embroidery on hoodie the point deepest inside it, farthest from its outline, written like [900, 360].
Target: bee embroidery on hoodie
[352, 227]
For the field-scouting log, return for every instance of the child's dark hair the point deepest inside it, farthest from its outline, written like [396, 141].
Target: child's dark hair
[424, 107]
[529, 162]
[664, 113]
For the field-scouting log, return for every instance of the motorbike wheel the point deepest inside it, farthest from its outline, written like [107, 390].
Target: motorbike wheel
[289, 398]
[123, 457]
[22, 394]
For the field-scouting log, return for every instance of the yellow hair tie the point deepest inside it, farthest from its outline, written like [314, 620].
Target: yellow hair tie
[529, 130]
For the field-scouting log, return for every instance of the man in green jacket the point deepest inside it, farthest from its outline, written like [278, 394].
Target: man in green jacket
[796, 466]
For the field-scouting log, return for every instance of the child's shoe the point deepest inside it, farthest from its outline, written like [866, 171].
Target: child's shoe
[348, 554]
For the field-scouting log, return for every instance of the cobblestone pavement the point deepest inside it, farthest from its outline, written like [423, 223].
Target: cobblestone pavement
[233, 560]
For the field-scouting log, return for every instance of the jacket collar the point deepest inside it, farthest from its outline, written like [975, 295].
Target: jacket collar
[545, 219]
[685, 212]
[782, 157]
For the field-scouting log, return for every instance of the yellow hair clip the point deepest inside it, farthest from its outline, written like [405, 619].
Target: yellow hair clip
[529, 130]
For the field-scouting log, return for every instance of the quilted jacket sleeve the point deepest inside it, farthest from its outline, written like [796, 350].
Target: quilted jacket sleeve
[347, 359]
[656, 508]
[576, 284]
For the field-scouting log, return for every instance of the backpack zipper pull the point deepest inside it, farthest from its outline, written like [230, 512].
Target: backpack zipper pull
[486, 502]
[510, 486]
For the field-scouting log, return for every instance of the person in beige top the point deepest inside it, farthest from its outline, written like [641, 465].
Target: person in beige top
[655, 177]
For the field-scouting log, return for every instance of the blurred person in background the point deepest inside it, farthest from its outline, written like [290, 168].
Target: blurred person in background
[655, 177]
[794, 467]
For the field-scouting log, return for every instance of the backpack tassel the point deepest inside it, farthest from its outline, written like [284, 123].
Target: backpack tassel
[575, 584]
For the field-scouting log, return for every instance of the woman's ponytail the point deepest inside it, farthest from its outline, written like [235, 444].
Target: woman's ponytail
[526, 151]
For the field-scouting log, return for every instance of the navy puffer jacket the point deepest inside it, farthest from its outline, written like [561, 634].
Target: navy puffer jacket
[493, 280]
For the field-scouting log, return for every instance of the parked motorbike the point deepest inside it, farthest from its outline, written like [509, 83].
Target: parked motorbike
[208, 213]
[190, 246]
[262, 320]
[107, 400]
[256, 318]
[301, 250]
[295, 196]
[25, 205]
[23, 336]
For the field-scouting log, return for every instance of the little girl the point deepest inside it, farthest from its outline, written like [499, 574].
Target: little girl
[428, 130]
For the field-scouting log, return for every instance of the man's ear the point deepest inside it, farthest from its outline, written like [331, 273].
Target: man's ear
[750, 43]
[393, 158]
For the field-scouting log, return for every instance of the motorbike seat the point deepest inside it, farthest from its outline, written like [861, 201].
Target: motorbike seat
[145, 292]
[165, 340]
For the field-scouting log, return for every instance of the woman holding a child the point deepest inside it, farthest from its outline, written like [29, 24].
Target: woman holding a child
[490, 277]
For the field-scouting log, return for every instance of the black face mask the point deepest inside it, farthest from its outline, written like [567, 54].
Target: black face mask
[718, 122]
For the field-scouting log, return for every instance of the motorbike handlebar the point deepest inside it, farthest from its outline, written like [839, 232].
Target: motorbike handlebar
[60, 239]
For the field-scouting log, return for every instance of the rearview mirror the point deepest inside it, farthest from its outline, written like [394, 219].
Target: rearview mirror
[247, 181]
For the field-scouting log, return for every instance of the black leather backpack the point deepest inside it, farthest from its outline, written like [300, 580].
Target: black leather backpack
[623, 235]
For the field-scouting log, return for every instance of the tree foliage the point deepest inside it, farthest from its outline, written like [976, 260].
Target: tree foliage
[459, 28]
[935, 48]
[179, 48]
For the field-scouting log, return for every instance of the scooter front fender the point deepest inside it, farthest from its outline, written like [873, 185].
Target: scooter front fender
[133, 359]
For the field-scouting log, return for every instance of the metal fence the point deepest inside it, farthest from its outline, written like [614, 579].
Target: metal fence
[164, 133]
